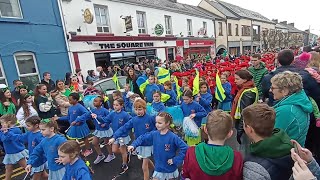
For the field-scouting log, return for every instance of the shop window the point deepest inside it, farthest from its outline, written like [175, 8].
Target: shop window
[27, 69]
[189, 27]
[142, 22]
[220, 28]
[245, 30]
[168, 24]
[10, 9]
[102, 19]
[2, 75]
[229, 29]
[237, 30]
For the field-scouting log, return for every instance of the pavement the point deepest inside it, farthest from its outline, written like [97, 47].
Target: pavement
[106, 171]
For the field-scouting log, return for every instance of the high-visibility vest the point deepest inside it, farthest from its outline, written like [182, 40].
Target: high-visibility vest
[237, 114]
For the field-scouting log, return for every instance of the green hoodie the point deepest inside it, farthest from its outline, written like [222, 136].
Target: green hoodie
[293, 115]
[214, 160]
[276, 146]
[258, 74]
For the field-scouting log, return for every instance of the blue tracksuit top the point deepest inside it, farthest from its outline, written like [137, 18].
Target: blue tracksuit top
[227, 91]
[205, 101]
[159, 107]
[161, 88]
[148, 92]
[100, 112]
[48, 147]
[77, 171]
[117, 120]
[75, 113]
[10, 146]
[127, 103]
[141, 125]
[173, 98]
[165, 147]
[196, 108]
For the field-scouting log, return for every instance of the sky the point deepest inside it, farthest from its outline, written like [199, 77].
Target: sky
[302, 13]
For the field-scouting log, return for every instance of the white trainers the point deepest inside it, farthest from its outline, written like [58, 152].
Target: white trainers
[99, 159]
[109, 158]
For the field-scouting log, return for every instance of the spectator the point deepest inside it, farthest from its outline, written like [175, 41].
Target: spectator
[60, 95]
[15, 93]
[258, 70]
[67, 79]
[131, 81]
[293, 107]
[101, 73]
[110, 72]
[80, 76]
[91, 90]
[44, 102]
[48, 82]
[91, 76]
[6, 104]
[269, 156]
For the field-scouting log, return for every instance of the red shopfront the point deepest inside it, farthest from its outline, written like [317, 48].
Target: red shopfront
[190, 47]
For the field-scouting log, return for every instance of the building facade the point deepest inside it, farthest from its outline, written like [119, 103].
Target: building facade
[32, 41]
[107, 32]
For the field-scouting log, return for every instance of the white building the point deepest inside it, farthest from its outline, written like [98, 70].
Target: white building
[105, 32]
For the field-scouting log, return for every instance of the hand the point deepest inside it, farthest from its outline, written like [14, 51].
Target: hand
[130, 148]
[103, 125]
[303, 153]
[28, 168]
[54, 118]
[192, 116]
[94, 116]
[6, 103]
[239, 137]
[111, 141]
[198, 99]
[58, 161]
[4, 130]
[73, 123]
[170, 162]
[301, 171]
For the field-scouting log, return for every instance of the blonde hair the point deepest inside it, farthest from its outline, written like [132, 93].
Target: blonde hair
[315, 60]
[70, 147]
[219, 124]
[288, 80]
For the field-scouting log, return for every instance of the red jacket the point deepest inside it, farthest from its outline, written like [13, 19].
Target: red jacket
[192, 170]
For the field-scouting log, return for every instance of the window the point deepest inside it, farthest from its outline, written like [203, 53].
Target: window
[2, 76]
[142, 22]
[27, 69]
[229, 29]
[204, 26]
[245, 30]
[10, 8]
[237, 30]
[168, 24]
[220, 28]
[189, 27]
[102, 18]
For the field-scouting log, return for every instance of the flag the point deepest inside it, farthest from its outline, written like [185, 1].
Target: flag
[142, 82]
[163, 75]
[178, 88]
[116, 80]
[196, 83]
[220, 93]
[164, 97]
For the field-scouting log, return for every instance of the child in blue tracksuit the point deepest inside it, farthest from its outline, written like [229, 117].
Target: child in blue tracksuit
[150, 88]
[77, 118]
[76, 168]
[173, 96]
[33, 137]
[49, 148]
[15, 150]
[226, 104]
[142, 123]
[156, 104]
[205, 98]
[195, 111]
[165, 148]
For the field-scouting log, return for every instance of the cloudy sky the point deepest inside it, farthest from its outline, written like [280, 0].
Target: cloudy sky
[303, 13]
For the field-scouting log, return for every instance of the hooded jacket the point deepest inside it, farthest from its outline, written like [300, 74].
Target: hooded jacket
[258, 74]
[270, 158]
[207, 162]
[293, 116]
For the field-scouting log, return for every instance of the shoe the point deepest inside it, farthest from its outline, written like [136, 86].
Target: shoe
[129, 157]
[87, 152]
[109, 158]
[124, 168]
[99, 159]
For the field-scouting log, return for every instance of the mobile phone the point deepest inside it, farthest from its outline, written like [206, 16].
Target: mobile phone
[296, 150]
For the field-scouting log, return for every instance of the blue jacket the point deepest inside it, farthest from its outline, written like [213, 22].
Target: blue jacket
[117, 119]
[227, 91]
[100, 112]
[173, 98]
[77, 171]
[9, 144]
[205, 101]
[75, 113]
[196, 108]
[148, 92]
[159, 107]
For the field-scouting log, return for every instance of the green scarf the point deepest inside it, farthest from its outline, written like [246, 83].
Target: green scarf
[11, 109]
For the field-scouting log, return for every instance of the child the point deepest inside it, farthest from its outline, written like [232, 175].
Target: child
[23, 90]
[77, 118]
[159, 85]
[150, 88]
[142, 123]
[33, 137]
[49, 148]
[43, 102]
[115, 95]
[75, 167]
[118, 118]
[204, 98]
[173, 96]
[26, 110]
[75, 86]
[15, 150]
[6, 104]
[226, 104]
[90, 90]
[227, 162]
[165, 147]
[157, 105]
[195, 111]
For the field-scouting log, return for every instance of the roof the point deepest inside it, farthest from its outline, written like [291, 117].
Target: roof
[292, 29]
[173, 7]
[279, 26]
[241, 12]
[222, 9]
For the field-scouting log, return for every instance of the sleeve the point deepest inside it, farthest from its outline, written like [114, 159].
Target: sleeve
[183, 147]
[247, 99]
[162, 107]
[85, 115]
[314, 168]
[315, 108]
[283, 118]
[147, 137]
[107, 119]
[17, 137]
[36, 155]
[253, 171]
[201, 112]
[123, 129]
[227, 89]
[45, 107]
[64, 118]
[206, 101]
[61, 102]
[265, 85]
[186, 167]
[20, 116]
[83, 174]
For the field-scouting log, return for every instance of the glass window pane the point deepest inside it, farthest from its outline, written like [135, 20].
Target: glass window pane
[98, 19]
[108, 85]
[103, 11]
[30, 81]
[99, 29]
[26, 64]
[10, 8]
[105, 29]
[3, 81]
[103, 20]
[1, 75]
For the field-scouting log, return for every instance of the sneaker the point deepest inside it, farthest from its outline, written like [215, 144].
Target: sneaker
[99, 159]
[129, 157]
[124, 168]
[109, 158]
[87, 152]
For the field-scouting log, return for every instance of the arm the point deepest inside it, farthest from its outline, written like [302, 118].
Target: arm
[84, 114]
[186, 167]
[123, 129]
[227, 89]
[247, 99]
[206, 101]
[148, 137]
[183, 147]
[20, 116]
[314, 168]
[37, 153]
[17, 137]
[62, 102]
[83, 174]
[64, 118]
[200, 112]
[253, 171]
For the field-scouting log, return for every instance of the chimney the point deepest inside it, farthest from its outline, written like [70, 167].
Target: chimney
[291, 24]
[283, 22]
[174, 1]
[275, 21]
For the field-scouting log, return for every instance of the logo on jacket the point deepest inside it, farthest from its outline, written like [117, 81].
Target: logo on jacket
[167, 147]
[147, 126]
[120, 121]
[33, 144]
[74, 111]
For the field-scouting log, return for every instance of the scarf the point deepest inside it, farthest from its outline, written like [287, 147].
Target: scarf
[244, 86]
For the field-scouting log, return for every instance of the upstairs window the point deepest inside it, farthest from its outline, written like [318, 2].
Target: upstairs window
[102, 19]
[142, 22]
[10, 9]
[189, 27]
[168, 24]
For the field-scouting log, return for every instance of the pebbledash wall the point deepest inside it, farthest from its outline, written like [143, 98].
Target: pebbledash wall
[89, 47]
[32, 41]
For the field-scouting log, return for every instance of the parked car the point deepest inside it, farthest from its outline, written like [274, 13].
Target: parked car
[108, 86]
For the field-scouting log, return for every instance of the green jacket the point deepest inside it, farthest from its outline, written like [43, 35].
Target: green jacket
[258, 74]
[293, 115]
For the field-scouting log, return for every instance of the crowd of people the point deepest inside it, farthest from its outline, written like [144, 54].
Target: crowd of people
[271, 99]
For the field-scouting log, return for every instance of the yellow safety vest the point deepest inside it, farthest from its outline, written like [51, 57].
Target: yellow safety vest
[237, 114]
